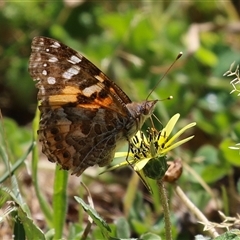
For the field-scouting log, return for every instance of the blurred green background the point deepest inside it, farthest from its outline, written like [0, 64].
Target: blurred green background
[134, 43]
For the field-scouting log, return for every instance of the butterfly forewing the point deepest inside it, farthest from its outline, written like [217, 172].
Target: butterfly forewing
[84, 115]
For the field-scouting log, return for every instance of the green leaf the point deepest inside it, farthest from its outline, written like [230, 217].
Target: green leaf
[231, 235]
[231, 156]
[75, 231]
[212, 173]
[213, 168]
[117, 23]
[16, 165]
[206, 56]
[19, 232]
[139, 226]
[24, 222]
[95, 216]
[17, 137]
[209, 153]
[31, 230]
[123, 228]
[150, 236]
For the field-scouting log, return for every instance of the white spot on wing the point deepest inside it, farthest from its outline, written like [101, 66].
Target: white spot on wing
[67, 75]
[74, 70]
[36, 48]
[53, 59]
[99, 78]
[51, 80]
[41, 90]
[34, 64]
[90, 90]
[38, 59]
[74, 59]
[41, 41]
[55, 45]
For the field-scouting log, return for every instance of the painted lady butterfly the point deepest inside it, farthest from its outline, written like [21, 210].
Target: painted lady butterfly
[84, 115]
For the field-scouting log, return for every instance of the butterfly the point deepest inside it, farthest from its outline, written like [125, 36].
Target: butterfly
[85, 116]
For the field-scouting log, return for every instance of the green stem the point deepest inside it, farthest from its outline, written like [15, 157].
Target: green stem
[44, 205]
[60, 202]
[164, 201]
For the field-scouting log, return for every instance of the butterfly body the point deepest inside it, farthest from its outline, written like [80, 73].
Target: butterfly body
[84, 115]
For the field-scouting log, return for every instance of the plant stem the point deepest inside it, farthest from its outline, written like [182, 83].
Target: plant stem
[200, 216]
[164, 201]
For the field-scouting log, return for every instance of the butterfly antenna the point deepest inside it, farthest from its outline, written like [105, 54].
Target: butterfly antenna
[169, 68]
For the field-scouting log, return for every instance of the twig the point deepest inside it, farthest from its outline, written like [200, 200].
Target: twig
[200, 216]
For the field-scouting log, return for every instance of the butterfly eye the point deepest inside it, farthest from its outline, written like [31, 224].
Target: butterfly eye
[148, 107]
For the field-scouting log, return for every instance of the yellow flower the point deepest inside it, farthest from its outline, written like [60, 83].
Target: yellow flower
[147, 154]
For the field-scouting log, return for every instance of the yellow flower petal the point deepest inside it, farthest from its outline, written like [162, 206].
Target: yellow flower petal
[122, 154]
[175, 136]
[141, 164]
[165, 150]
[122, 164]
[170, 125]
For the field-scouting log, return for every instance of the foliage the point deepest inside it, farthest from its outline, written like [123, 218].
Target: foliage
[134, 43]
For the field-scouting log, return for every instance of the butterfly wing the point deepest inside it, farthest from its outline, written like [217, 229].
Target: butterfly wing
[83, 112]
[65, 76]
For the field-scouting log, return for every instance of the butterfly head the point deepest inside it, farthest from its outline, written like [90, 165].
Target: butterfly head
[140, 111]
[147, 108]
